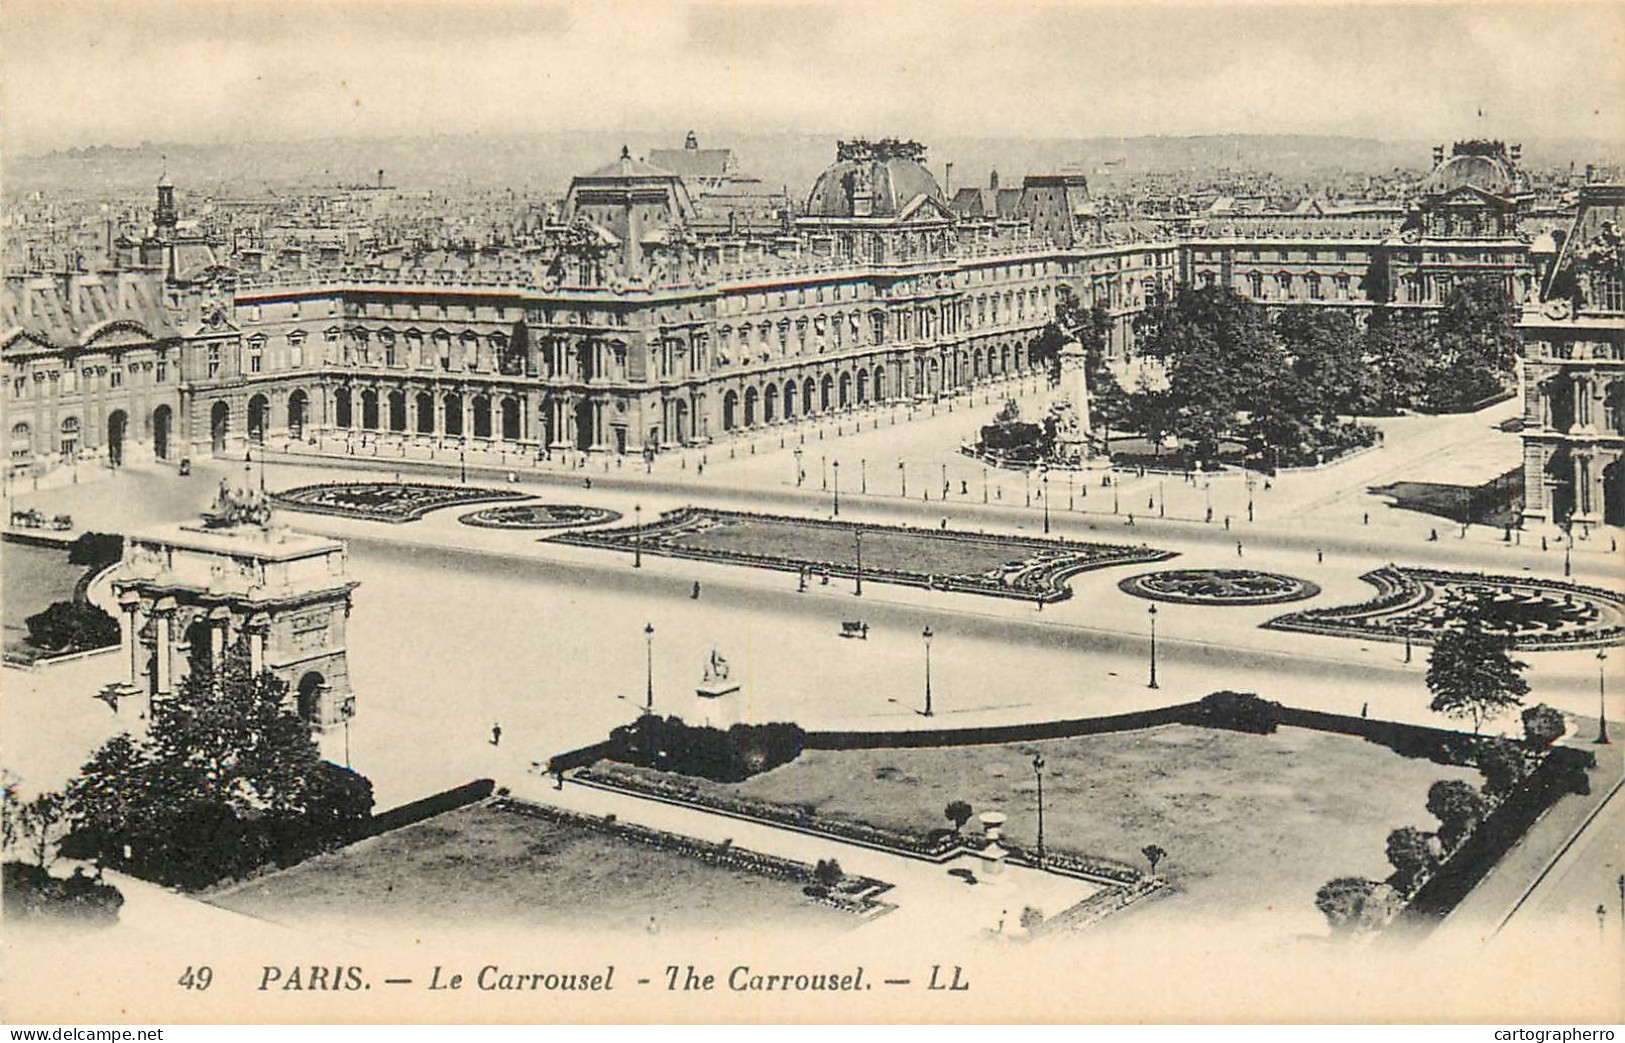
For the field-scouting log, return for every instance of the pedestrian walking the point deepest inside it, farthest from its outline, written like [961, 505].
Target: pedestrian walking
[1227, 523]
[496, 735]
[696, 594]
[1433, 535]
[1238, 548]
[1543, 544]
[1319, 555]
[1363, 708]
[1366, 518]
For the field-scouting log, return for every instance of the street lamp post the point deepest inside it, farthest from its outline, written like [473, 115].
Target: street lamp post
[1152, 612]
[837, 488]
[926, 635]
[944, 481]
[1113, 479]
[1045, 494]
[1162, 499]
[984, 484]
[637, 536]
[863, 475]
[462, 466]
[797, 454]
[823, 470]
[1568, 555]
[649, 690]
[857, 545]
[1038, 771]
[902, 476]
[1602, 698]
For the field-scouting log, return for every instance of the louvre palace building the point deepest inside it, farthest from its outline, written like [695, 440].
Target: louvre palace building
[660, 309]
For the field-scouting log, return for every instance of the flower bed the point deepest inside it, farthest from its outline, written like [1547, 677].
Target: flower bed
[977, 563]
[940, 846]
[856, 894]
[394, 502]
[539, 516]
[1416, 603]
[674, 788]
[1218, 587]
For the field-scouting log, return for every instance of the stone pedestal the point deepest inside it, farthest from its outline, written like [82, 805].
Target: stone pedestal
[717, 704]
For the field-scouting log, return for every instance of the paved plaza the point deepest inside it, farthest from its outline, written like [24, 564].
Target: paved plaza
[457, 628]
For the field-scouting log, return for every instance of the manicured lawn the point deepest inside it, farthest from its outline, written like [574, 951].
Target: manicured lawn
[1007, 566]
[34, 577]
[1249, 822]
[486, 866]
[882, 549]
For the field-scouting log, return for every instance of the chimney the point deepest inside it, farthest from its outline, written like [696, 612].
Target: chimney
[1438, 154]
[948, 181]
[993, 180]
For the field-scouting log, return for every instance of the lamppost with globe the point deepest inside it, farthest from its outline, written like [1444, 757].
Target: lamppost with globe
[926, 635]
[1044, 493]
[1038, 771]
[637, 536]
[649, 690]
[1152, 613]
[837, 466]
[1602, 698]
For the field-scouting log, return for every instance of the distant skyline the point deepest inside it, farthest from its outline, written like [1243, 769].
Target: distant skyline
[205, 71]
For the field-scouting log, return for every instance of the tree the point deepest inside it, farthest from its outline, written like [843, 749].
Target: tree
[10, 808]
[227, 779]
[1410, 852]
[828, 873]
[41, 822]
[1543, 725]
[1342, 900]
[1457, 806]
[1032, 918]
[1153, 854]
[1328, 358]
[1472, 674]
[958, 812]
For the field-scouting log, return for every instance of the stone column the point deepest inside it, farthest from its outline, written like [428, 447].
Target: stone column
[129, 637]
[164, 614]
[257, 628]
[218, 619]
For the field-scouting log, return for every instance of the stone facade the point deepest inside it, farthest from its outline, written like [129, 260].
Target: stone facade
[642, 326]
[1573, 351]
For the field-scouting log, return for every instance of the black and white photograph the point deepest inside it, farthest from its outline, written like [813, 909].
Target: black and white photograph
[747, 512]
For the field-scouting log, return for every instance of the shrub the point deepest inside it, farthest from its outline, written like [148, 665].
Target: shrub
[32, 893]
[1411, 853]
[1503, 767]
[709, 753]
[1342, 901]
[1457, 806]
[95, 549]
[1543, 725]
[72, 626]
[1238, 711]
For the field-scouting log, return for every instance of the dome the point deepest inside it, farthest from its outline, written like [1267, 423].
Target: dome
[890, 174]
[1487, 173]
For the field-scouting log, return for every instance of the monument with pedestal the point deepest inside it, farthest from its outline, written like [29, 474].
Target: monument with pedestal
[717, 699]
[189, 592]
[1070, 411]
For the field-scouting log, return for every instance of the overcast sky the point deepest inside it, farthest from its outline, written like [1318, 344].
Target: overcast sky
[81, 73]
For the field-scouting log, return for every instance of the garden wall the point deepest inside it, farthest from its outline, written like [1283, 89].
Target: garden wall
[430, 806]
